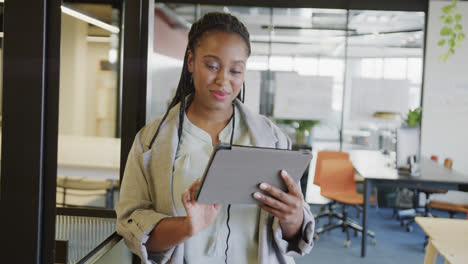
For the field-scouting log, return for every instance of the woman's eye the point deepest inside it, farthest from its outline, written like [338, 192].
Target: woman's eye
[212, 67]
[235, 72]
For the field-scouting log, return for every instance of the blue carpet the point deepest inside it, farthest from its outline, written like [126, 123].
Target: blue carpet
[394, 244]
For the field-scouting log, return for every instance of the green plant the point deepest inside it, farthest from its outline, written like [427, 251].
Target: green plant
[299, 125]
[452, 32]
[302, 127]
[414, 117]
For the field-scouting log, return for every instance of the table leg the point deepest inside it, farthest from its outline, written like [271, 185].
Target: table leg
[367, 191]
[431, 254]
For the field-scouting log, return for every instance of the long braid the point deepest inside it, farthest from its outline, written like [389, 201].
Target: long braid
[210, 22]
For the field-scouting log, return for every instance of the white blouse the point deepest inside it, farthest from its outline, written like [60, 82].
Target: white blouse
[209, 245]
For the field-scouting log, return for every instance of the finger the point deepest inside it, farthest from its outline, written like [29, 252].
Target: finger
[271, 210]
[185, 199]
[293, 187]
[193, 189]
[272, 202]
[195, 184]
[277, 193]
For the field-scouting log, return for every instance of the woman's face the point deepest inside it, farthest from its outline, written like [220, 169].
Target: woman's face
[218, 69]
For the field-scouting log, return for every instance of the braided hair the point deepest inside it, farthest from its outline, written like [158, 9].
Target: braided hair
[210, 22]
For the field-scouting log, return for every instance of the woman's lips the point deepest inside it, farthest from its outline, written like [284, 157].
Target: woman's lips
[219, 95]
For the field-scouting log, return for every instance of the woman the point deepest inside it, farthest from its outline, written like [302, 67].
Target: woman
[157, 213]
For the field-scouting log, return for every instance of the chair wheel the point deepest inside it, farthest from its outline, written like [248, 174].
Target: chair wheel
[409, 229]
[373, 241]
[316, 237]
[347, 243]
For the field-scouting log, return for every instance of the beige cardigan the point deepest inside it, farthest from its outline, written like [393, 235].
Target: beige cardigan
[146, 192]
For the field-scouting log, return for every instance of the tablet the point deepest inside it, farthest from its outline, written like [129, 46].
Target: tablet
[234, 172]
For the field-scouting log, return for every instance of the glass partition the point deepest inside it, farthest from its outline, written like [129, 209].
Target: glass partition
[88, 147]
[332, 79]
[303, 46]
[383, 77]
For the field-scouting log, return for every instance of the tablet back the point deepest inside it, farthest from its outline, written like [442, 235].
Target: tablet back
[234, 173]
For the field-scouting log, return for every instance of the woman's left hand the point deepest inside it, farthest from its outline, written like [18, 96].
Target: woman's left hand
[287, 206]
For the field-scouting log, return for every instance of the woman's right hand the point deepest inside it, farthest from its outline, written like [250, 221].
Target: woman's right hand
[199, 216]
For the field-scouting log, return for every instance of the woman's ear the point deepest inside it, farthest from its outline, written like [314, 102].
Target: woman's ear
[190, 61]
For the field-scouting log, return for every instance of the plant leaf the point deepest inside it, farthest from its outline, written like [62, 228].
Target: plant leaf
[441, 42]
[445, 31]
[461, 36]
[449, 20]
[458, 27]
[441, 58]
[458, 17]
[452, 51]
[451, 42]
[446, 9]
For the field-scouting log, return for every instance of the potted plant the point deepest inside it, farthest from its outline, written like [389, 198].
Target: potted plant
[413, 118]
[303, 128]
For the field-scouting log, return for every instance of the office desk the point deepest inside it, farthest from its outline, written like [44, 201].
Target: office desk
[377, 171]
[448, 237]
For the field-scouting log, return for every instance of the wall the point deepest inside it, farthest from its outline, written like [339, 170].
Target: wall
[80, 76]
[100, 84]
[72, 113]
[445, 95]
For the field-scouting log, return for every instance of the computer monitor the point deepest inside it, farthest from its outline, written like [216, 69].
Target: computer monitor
[407, 145]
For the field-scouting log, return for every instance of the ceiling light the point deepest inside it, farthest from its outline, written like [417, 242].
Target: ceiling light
[112, 55]
[384, 19]
[89, 19]
[371, 19]
[98, 39]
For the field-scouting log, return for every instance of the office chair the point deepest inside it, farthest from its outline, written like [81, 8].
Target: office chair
[329, 211]
[337, 183]
[408, 220]
[428, 192]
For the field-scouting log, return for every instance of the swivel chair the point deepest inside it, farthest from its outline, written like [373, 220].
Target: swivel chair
[329, 210]
[337, 183]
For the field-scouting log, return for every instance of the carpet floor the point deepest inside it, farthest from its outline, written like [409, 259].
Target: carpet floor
[394, 244]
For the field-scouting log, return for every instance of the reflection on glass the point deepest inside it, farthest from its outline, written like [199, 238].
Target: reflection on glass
[88, 150]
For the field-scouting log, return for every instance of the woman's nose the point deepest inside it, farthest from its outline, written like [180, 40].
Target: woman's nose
[222, 78]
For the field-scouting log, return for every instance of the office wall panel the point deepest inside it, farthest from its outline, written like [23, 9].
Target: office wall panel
[445, 98]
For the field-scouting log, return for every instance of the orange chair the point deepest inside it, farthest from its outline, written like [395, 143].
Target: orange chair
[337, 183]
[452, 208]
[323, 155]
